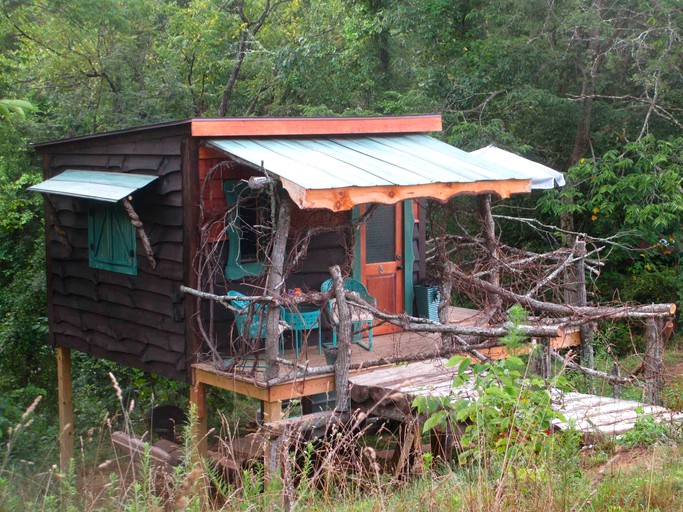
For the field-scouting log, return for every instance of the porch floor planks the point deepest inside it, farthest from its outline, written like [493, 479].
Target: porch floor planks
[586, 413]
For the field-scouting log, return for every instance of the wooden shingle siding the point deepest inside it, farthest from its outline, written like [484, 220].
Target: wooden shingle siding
[134, 320]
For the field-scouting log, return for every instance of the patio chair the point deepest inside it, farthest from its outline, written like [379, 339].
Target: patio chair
[360, 319]
[251, 319]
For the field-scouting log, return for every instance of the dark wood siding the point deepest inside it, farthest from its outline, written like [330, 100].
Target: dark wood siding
[134, 320]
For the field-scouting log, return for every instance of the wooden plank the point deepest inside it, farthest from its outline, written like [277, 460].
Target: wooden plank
[303, 387]
[206, 374]
[66, 408]
[340, 199]
[314, 126]
[190, 223]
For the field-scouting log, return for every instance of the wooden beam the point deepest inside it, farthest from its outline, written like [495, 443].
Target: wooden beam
[66, 407]
[206, 374]
[199, 429]
[302, 387]
[340, 199]
[225, 127]
[190, 173]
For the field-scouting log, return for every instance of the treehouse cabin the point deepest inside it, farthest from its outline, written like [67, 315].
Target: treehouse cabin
[134, 215]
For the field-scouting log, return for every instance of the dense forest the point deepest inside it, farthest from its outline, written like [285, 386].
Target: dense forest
[593, 88]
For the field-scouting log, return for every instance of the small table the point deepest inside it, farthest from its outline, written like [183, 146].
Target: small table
[304, 318]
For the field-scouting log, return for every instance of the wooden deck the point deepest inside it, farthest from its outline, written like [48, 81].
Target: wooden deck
[395, 387]
[246, 377]
[605, 415]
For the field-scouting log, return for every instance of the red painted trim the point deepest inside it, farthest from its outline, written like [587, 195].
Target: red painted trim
[314, 126]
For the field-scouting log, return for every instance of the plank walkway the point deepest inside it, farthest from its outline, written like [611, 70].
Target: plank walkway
[398, 385]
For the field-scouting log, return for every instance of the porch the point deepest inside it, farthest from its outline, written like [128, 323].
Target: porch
[247, 377]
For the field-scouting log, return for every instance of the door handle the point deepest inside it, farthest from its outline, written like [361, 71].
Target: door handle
[399, 267]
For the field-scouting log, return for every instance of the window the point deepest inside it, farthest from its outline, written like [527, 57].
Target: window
[247, 242]
[111, 239]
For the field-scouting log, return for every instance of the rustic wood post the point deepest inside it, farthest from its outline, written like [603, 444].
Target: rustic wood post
[274, 283]
[489, 227]
[541, 357]
[199, 429]
[445, 288]
[582, 300]
[654, 361]
[616, 387]
[140, 229]
[442, 441]
[66, 408]
[344, 333]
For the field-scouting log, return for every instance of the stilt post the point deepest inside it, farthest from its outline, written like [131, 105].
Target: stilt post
[66, 407]
[199, 429]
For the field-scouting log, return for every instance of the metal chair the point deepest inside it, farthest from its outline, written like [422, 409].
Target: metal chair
[251, 319]
[360, 319]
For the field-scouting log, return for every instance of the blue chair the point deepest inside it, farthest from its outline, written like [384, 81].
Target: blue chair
[361, 320]
[251, 318]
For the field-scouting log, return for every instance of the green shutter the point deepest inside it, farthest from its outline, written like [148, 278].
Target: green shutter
[111, 239]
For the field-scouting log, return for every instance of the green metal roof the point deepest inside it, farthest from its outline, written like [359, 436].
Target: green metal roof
[109, 187]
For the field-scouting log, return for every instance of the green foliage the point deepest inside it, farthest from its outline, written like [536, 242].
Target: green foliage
[10, 108]
[645, 432]
[506, 412]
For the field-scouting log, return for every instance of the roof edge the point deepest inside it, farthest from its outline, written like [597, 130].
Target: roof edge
[112, 133]
[283, 126]
[268, 126]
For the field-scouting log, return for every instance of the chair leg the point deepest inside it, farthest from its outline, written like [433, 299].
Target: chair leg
[359, 341]
[320, 338]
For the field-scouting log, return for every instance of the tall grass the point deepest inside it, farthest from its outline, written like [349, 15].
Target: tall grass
[344, 470]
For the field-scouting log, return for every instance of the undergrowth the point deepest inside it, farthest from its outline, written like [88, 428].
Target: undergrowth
[509, 460]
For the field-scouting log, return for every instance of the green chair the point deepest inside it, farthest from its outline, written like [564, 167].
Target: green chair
[360, 319]
[251, 318]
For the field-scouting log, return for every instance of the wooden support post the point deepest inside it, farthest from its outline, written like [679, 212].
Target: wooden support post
[654, 361]
[616, 387]
[442, 442]
[582, 300]
[408, 454]
[445, 289]
[199, 429]
[66, 407]
[541, 358]
[140, 229]
[341, 370]
[272, 411]
[489, 228]
[275, 282]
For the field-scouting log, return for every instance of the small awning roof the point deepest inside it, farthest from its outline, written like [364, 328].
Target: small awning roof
[340, 172]
[542, 177]
[101, 186]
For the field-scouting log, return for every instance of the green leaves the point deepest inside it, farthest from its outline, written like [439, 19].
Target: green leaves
[10, 108]
[506, 409]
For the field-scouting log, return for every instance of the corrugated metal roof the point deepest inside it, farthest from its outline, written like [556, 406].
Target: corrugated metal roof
[542, 177]
[365, 161]
[101, 186]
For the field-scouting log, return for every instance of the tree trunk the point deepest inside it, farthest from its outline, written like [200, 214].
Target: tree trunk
[344, 334]
[654, 362]
[275, 282]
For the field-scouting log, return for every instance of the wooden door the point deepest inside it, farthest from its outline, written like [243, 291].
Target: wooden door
[382, 260]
